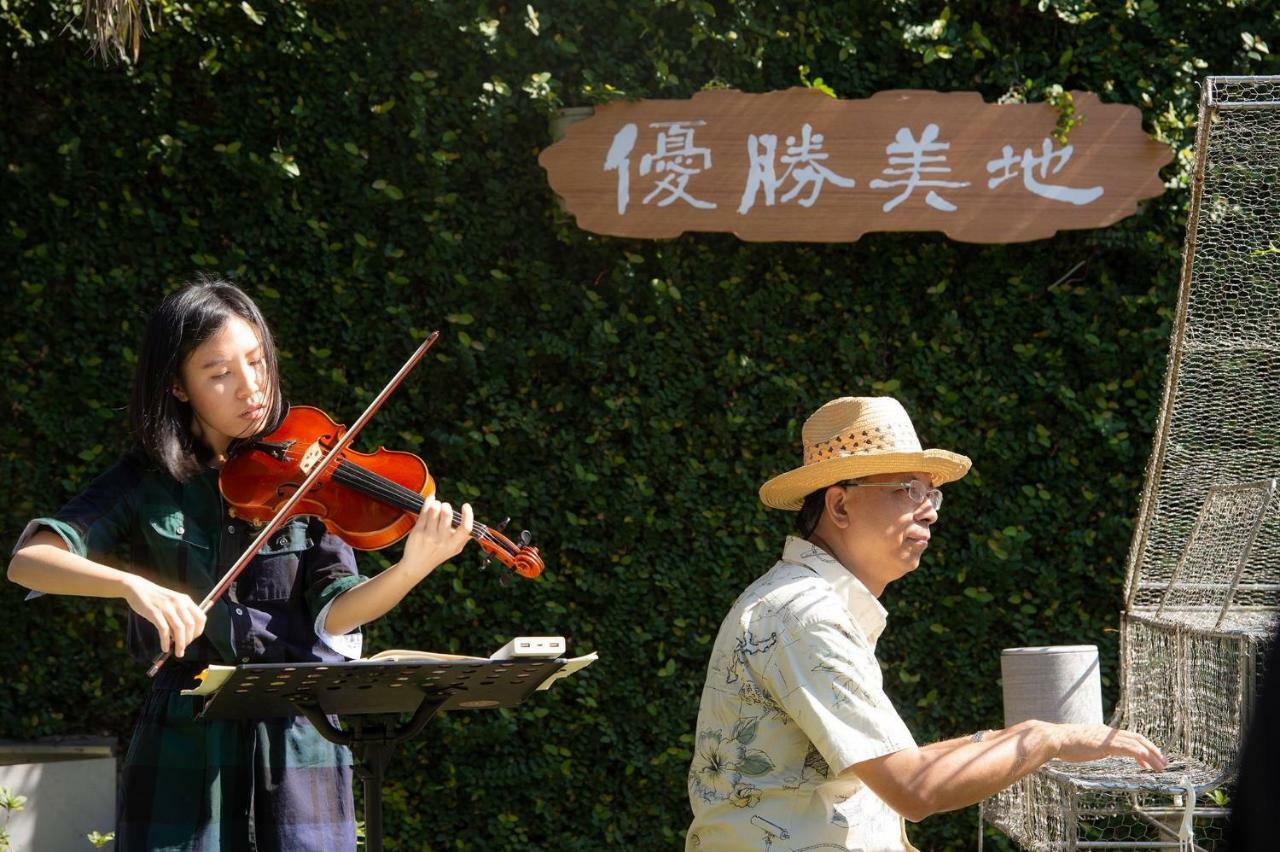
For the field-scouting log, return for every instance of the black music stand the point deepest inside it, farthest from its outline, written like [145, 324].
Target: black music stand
[375, 695]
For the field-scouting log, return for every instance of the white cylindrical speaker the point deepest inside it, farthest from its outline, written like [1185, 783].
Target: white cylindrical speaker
[1056, 683]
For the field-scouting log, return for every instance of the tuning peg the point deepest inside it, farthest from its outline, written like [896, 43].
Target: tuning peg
[525, 538]
[484, 563]
[502, 526]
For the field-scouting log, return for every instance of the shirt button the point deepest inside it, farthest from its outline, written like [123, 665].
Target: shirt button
[231, 528]
[239, 611]
[180, 530]
[281, 541]
[244, 659]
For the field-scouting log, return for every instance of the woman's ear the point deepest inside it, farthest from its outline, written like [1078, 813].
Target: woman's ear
[177, 391]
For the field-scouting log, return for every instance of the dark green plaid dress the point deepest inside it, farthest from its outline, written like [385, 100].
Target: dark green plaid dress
[191, 784]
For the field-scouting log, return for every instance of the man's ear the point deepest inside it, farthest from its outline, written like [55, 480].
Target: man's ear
[836, 503]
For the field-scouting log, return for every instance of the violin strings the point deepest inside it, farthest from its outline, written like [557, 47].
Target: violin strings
[393, 492]
[397, 495]
[380, 487]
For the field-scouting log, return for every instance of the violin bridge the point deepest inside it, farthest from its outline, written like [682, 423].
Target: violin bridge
[311, 457]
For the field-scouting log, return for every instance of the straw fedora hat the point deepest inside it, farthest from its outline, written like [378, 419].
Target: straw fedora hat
[857, 436]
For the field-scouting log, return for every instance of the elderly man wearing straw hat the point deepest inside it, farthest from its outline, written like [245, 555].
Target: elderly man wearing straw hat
[797, 746]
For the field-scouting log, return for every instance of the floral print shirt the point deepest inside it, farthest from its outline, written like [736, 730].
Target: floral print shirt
[794, 697]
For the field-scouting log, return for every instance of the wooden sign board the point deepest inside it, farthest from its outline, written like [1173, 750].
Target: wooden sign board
[797, 165]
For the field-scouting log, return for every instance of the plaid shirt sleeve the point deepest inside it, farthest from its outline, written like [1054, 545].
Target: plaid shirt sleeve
[330, 569]
[825, 675]
[96, 522]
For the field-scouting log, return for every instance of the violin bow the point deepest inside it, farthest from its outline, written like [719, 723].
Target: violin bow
[312, 477]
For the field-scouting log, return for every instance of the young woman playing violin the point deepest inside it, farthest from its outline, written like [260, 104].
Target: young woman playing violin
[207, 378]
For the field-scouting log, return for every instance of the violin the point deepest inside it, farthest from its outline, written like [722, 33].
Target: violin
[371, 500]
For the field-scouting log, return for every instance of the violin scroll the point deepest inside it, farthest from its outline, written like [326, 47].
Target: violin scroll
[523, 559]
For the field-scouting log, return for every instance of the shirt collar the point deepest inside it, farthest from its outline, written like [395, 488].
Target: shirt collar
[866, 611]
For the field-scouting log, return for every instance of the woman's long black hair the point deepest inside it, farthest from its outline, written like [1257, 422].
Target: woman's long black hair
[161, 423]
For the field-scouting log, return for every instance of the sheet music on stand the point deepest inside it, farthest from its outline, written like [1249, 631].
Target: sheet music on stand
[376, 694]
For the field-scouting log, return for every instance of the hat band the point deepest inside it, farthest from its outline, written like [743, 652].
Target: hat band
[873, 439]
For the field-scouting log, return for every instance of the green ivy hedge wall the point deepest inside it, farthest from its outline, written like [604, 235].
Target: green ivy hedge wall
[368, 172]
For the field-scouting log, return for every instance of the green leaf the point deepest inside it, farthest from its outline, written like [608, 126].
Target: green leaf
[756, 762]
[11, 801]
[253, 14]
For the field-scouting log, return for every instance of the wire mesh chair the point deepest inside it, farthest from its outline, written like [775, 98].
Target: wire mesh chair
[1202, 589]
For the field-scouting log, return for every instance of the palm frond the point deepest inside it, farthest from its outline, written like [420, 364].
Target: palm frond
[116, 27]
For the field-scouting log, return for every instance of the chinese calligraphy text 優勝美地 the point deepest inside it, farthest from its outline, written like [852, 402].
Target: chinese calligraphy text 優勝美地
[792, 165]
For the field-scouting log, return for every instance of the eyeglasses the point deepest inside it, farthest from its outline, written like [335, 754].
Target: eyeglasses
[915, 489]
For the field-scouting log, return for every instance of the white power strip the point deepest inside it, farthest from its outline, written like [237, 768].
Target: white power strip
[530, 646]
